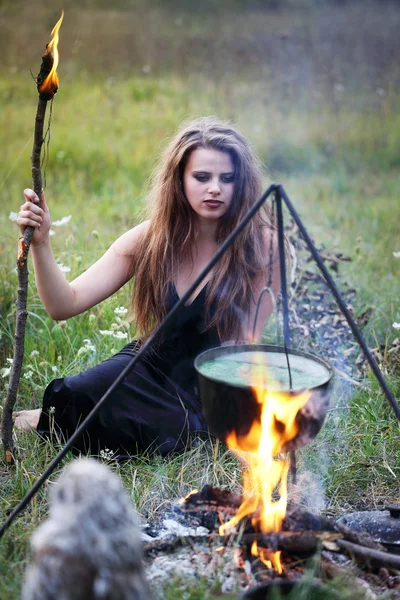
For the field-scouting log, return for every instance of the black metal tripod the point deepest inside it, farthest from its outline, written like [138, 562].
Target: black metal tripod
[280, 195]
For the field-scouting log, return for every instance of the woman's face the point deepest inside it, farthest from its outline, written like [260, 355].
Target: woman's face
[208, 182]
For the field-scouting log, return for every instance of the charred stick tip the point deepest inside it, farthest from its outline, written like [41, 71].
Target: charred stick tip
[45, 68]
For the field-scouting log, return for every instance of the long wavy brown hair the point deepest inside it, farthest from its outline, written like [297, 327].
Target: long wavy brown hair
[172, 229]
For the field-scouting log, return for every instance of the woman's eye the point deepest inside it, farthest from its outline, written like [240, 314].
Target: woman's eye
[201, 177]
[228, 179]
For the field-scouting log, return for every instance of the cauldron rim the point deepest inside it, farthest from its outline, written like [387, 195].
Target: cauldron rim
[243, 347]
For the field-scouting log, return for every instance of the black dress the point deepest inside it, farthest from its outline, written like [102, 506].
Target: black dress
[156, 407]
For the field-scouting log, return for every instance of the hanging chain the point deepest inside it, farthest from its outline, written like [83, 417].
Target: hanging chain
[284, 295]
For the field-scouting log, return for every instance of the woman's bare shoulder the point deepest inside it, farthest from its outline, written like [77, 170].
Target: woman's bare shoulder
[127, 243]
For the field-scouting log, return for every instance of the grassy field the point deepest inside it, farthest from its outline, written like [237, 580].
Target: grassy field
[330, 138]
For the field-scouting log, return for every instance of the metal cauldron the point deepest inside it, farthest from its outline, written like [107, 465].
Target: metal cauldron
[233, 407]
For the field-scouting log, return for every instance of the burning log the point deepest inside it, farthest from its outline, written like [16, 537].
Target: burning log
[213, 499]
[47, 85]
[296, 543]
[210, 498]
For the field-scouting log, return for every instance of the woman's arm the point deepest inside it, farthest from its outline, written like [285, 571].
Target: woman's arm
[62, 299]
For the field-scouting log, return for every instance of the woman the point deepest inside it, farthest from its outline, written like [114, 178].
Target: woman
[206, 182]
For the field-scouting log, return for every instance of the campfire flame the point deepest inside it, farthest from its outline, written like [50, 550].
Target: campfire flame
[50, 84]
[264, 474]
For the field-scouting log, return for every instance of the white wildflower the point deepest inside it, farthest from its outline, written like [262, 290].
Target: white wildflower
[13, 216]
[106, 332]
[63, 268]
[92, 318]
[54, 368]
[89, 345]
[120, 335]
[52, 410]
[62, 221]
[52, 232]
[114, 326]
[34, 354]
[396, 325]
[87, 348]
[10, 360]
[5, 372]
[396, 254]
[28, 375]
[106, 454]
[120, 310]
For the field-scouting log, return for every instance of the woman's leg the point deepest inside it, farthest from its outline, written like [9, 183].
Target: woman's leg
[144, 411]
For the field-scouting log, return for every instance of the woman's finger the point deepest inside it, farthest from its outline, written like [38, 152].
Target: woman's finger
[25, 222]
[27, 217]
[31, 215]
[31, 196]
[30, 206]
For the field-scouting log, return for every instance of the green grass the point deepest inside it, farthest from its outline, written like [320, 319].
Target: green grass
[336, 153]
[97, 172]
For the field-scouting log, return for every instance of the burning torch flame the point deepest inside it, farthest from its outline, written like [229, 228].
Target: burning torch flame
[264, 474]
[50, 84]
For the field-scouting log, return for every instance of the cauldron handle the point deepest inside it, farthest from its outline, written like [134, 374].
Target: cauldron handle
[277, 208]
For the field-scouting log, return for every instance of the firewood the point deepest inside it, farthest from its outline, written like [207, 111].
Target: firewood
[359, 538]
[212, 499]
[294, 543]
[370, 557]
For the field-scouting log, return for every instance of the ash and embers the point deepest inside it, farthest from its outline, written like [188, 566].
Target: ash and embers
[185, 547]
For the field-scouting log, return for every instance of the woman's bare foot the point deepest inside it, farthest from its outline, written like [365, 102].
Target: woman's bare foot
[25, 420]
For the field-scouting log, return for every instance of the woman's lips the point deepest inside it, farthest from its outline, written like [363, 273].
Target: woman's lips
[213, 203]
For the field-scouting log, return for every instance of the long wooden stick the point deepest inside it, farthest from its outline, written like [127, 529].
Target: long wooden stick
[369, 556]
[22, 270]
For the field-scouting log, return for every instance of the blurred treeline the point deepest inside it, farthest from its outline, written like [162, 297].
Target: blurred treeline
[317, 46]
